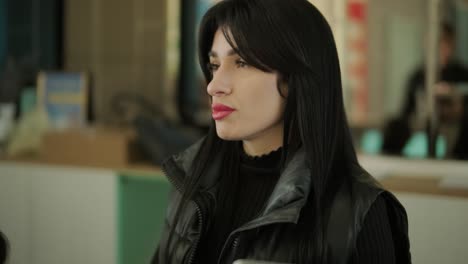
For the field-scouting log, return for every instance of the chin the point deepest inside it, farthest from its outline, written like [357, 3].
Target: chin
[227, 137]
[225, 134]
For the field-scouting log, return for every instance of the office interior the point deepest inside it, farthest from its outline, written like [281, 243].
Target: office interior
[95, 94]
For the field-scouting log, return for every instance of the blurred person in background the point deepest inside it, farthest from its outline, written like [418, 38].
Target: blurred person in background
[452, 116]
[450, 103]
[276, 178]
[451, 71]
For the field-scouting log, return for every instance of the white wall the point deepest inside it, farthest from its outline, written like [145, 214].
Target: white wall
[437, 228]
[58, 214]
[437, 224]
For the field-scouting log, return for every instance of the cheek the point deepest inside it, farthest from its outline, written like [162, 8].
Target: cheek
[266, 103]
[261, 109]
[260, 106]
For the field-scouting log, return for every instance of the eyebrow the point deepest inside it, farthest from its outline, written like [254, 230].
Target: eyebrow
[212, 53]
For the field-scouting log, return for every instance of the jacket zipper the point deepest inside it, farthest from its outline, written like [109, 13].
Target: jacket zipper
[200, 219]
[236, 240]
[197, 206]
[234, 247]
[174, 182]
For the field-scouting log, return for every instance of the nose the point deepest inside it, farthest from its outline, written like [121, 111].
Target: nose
[220, 84]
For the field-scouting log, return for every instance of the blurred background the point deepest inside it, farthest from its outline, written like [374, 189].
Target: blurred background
[95, 94]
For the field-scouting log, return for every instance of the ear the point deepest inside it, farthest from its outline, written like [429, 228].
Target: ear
[283, 86]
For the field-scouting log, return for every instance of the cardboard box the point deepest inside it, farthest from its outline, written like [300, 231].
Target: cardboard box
[98, 147]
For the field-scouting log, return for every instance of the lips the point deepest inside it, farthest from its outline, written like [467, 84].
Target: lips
[220, 111]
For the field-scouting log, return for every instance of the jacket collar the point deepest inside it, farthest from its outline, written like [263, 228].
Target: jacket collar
[287, 198]
[292, 188]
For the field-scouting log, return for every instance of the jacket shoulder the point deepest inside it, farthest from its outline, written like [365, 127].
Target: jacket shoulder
[349, 210]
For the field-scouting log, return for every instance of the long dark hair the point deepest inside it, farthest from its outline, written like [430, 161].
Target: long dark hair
[292, 38]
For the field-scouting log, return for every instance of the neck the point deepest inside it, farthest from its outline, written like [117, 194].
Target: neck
[267, 142]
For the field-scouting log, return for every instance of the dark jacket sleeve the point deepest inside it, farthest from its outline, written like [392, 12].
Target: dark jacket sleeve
[375, 242]
[158, 256]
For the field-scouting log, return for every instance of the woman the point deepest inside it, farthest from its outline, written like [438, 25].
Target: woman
[276, 179]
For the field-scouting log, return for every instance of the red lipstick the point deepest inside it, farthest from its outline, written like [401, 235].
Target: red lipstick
[220, 111]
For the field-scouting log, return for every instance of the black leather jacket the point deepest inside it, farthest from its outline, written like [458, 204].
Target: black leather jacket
[271, 236]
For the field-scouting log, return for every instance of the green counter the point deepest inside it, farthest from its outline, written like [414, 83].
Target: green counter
[142, 204]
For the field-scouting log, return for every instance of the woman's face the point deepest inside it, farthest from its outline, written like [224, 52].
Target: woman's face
[246, 104]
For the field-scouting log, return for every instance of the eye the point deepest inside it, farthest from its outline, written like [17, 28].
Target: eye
[241, 63]
[212, 67]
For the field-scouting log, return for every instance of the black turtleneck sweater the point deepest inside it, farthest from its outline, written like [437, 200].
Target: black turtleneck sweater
[241, 199]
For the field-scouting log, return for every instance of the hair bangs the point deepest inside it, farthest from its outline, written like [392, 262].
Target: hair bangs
[235, 20]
